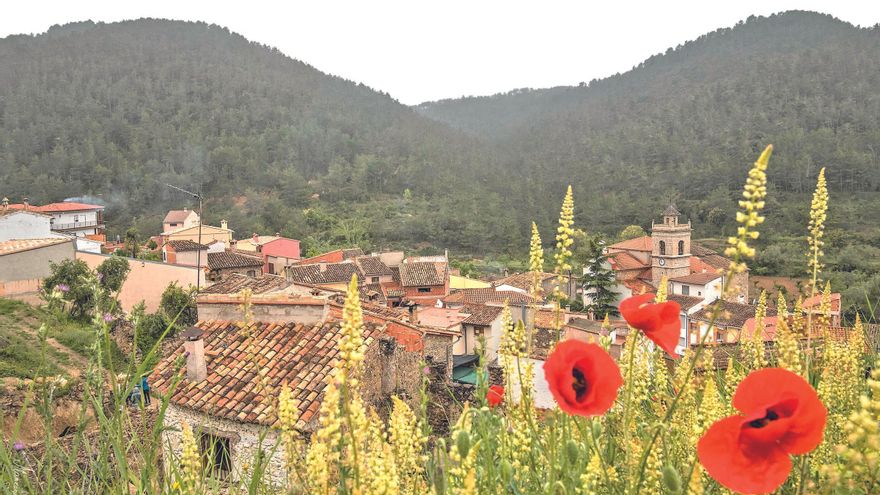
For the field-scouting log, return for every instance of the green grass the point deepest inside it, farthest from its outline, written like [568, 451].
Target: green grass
[20, 353]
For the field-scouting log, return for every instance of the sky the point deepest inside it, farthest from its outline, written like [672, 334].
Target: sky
[423, 51]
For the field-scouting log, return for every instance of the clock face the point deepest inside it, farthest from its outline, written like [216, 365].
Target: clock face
[661, 262]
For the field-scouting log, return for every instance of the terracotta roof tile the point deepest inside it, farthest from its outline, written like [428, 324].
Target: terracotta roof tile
[176, 216]
[481, 315]
[324, 273]
[228, 259]
[184, 245]
[236, 283]
[732, 314]
[18, 245]
[231, 390]
[487, 295]
[625, 261]
[643, 243]
[686, 302]
[522, 280]
[697, 278]
[372, 266]
[422, 273]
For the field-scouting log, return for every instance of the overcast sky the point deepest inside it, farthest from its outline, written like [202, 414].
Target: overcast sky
[419, 51]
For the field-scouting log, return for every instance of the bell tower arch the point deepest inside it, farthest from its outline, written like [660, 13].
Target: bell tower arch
[671, 240]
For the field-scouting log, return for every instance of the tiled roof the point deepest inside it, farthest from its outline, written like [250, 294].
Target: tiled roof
[671, 210]
[236, 283]
[521, 280]
[732, 314]
[481, 315]
[373, 293]
[11, 210]
[643, 243]
[488, 295]
[543, 340]
[816, 301]
[625, 261]
[348, 254]
[59, 207]
[300, 357]
[686, 302]
[440, 317]
[372, 266]
[227, 259]
[638, 286]
[19, 245]
[697, 278]
[709, 257]
[422, 273]
[177, 216]
[324, 273]
[395, 274]
[186, 245]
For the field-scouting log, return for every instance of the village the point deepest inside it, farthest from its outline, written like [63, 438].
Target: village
[420, 315]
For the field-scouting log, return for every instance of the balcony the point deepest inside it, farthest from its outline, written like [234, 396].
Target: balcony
[77, 225]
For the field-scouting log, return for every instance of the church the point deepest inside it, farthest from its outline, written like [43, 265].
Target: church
[691, 270]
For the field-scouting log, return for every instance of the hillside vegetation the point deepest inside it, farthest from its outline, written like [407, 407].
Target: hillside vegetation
[116, 110]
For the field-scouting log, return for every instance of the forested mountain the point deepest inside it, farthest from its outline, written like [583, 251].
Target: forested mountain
[686, 124]
[117, 110]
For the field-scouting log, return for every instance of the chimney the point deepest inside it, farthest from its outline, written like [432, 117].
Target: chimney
[322, 266]
[5, 203]
[184, 209]
[224, 224]
[255, 239]
[25, 202]
[196, 367]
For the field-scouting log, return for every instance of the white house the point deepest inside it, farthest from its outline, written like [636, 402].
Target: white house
[180, 219]
[29, 224]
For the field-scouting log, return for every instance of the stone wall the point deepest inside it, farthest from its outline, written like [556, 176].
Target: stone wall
[265, 311]
[439, 347]
[244, 442]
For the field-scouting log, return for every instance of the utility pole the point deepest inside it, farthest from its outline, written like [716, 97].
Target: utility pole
[199, 251]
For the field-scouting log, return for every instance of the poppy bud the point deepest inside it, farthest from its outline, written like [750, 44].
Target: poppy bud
[463, 442]
[571, 449]
[597, 429]
[506, 470]
[671, 479]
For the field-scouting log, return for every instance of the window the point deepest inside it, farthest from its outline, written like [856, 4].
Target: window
[680, 247]
[662, 247]
[271, 269]
[374, 280]
[252, 273]
[424, 289]
[685, 290]
[216, 454]
[76, 219]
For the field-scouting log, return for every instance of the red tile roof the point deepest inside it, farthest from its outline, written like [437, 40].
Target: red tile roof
[300, 357]
[481, 315]
[487, 295]
[643, 243]
[422, 274]
[228, 259]
[324, 273]
[522, 280]
[184, 245]
[625, 261]
[816, 301]
[686, 302]
[59, 207]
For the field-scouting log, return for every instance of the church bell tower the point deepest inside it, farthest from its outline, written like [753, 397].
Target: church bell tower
[671, 254]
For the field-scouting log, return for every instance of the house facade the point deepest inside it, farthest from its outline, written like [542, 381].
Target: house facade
[228, 409]
[180, 219]
[25, 262]
[204, 234]
[185, 252]
[226, 263]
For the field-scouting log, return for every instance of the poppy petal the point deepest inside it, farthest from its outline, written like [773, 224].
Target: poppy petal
[764, 388]
[598, 378]
[752, 470]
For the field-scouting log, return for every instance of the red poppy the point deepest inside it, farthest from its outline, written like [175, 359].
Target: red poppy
[781, 416]
[582, 378]
[495, 395]
[660, 322]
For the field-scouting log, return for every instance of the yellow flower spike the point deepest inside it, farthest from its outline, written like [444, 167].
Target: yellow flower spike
[190, 462]
[564, 235]
[754, 193]
[661, 290]
[818, 215]
[536, 262]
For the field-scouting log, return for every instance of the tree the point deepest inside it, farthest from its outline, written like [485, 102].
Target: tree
[112, 273]
[76, 284]
[179, 301]
[631, 232]
[598, 282]
[132, 241]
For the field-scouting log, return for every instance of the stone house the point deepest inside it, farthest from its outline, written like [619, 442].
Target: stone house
[221, 396]
[223, 264]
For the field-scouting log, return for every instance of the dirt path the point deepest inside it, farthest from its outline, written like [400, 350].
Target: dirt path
[76, 364]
